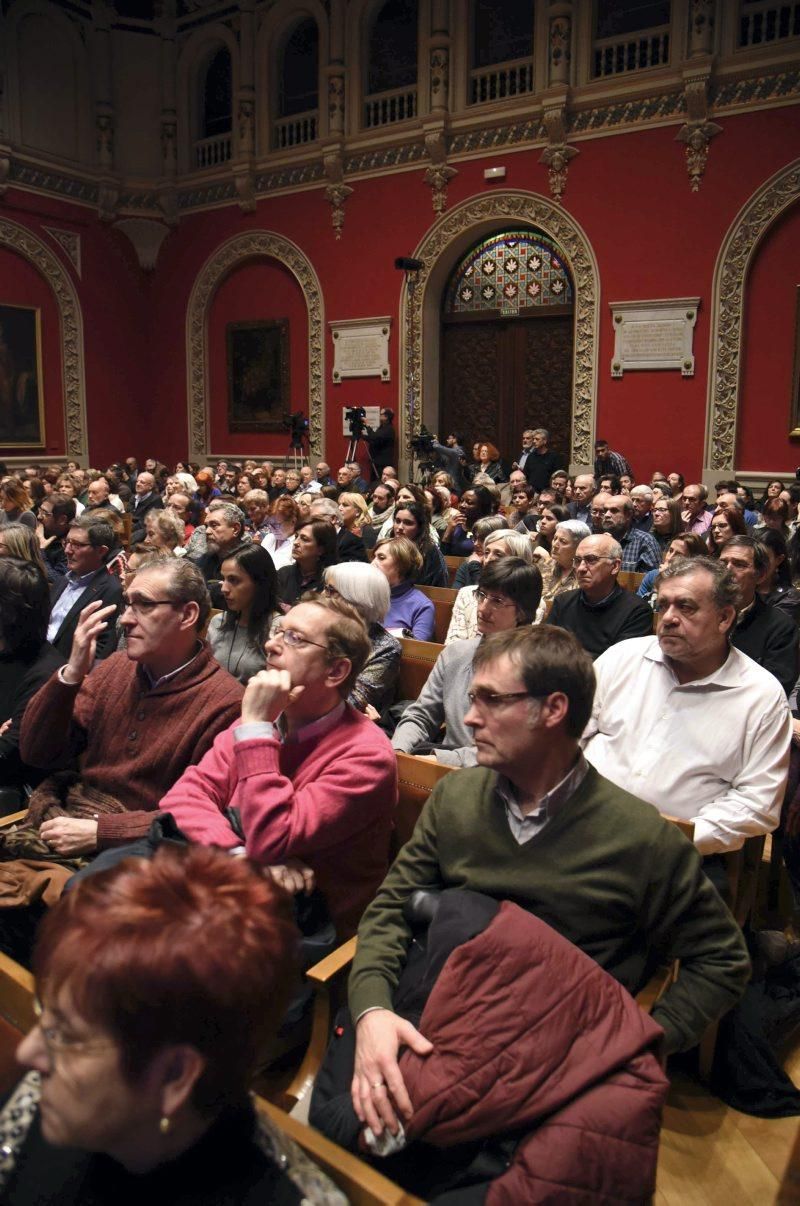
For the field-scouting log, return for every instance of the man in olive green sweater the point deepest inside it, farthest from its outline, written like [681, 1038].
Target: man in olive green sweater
[535, 824]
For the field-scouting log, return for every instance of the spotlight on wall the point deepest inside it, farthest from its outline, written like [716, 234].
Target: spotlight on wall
[406, 264]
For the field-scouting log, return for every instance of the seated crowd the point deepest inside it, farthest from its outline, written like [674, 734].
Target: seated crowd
[213, 657]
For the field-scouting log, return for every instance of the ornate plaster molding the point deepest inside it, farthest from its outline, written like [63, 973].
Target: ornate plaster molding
[439, 174]
[727, 309]
[529, 209]
[23, 242]
[252, 244]
[70, 244]
[336, 191]
[698, 130]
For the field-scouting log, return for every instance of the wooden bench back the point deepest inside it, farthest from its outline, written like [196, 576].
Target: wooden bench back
[452, 564]
[443, 598]
[416, 780]
[629, 581]
[416, 662]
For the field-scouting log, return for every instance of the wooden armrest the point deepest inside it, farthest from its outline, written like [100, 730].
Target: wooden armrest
[13, 818]
[334, 963]
[656, 986]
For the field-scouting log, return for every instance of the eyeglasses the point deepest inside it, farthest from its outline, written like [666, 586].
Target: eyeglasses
[76, 544]
[56, 1040]
[295, 640]
[591, 559]
[331, 592]
[492, 701]
[493, 600]
[143, 607]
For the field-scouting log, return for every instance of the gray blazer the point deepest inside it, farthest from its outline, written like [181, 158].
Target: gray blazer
[443, 700]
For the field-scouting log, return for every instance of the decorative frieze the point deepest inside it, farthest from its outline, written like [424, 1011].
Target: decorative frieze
[70, 244]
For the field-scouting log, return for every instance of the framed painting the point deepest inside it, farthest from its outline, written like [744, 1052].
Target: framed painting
[794, 421]
[258, 374]
[21, 393]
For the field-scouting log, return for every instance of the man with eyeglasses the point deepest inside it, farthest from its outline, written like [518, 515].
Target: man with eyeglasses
[535, 824]
[639, 550]
[133, 722]
[694, 513]
[600, 613]
[508, 594]
[87, 547]
[302, 778]
[56, 515]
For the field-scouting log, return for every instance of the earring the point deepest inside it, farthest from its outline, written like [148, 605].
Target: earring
[165, 1124]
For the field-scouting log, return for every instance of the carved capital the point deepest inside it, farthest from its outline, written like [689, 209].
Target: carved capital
[107, 198]
[557, 153]
[333, 164]
[697, 136]
[168, 204]
[438, 178]
[245, 191]
[337, 194]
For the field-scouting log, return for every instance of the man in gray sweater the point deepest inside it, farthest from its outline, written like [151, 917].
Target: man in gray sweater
[508, 594]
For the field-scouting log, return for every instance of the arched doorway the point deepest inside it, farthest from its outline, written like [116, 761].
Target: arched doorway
[507, 342]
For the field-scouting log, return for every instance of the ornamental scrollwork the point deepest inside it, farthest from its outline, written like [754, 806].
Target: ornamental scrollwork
[22, 241]
[251, 245]
[728, 309]
[531, 210]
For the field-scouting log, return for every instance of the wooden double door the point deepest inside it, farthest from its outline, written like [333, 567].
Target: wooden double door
[503, 375]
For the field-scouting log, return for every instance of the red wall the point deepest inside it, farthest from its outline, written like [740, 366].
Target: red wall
[113, 294]
[651, 235]
[768, 338]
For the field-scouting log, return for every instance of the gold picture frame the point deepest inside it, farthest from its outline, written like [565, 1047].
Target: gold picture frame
[21, 382]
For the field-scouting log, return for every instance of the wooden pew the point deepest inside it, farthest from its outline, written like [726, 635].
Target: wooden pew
[416, 778]
[452, 564]
[629, 581]
[416, 663]
[443, 598]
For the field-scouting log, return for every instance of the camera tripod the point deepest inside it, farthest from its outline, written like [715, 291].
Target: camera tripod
[298, 451]
[356, 438]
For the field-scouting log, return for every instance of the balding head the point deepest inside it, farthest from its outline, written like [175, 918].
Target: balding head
[618, 515]
[598, 560]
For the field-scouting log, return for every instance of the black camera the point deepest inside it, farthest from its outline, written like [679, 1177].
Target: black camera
[354, 413]
[297, 424]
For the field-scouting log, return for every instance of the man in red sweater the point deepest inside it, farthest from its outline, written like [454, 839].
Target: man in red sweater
[310, 778]
[136, 720]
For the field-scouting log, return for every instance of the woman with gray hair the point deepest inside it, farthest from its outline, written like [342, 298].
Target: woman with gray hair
[367, 589]
[501, 542]
[559, 574]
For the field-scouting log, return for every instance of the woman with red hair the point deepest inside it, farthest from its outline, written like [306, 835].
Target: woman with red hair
[160, 984]
[489, 463]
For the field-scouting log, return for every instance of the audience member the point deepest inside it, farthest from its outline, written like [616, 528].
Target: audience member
[777, 588]
[558, 575]
[411, 520]
[249, 586]
[476, 503]
[774, 516]
[640, 551]
[597, 510]
[165, 530]
[410, 612]
[606, 461]
[89, 545]
[313, 550]
[309, 776]
[508, 595]
[600, 613]
[503, 542]
[56, 515]
[540, 461]
[181, 505]
[725, 523]
[687, 544]
[549, 519]
[667, 521]
[723, 769]
[695, 515]
[353, 512]
[366, 589]
[349, 546]
[283, 522]
[522, 513]
[17, 540]
[15, 504]
[381, 442]
[135, 722]
[642, 500]
[676, 484]
[381, 507]
[147, 499]
[224, 532]
[610, 483]
[764, 633]
[584, 489]
[532, 824]
[489, 463]
[26, 661]
[162, 985]
[772, 490]
[469, 570]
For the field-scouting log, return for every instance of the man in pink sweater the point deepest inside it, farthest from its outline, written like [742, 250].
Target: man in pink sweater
[307, 776]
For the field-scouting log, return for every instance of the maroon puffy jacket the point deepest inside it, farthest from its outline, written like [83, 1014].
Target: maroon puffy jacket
[529, 1032]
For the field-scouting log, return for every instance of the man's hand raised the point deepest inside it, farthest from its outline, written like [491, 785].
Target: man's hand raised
[378, 1091]
[267, 695]
[93, 622]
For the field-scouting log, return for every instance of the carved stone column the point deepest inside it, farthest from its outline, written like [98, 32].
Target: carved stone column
[701, 28]
[698, 130]
[168, 119]
[336, 71]
[438, 175]
[103, 94]
[245, 127]
[559, 54]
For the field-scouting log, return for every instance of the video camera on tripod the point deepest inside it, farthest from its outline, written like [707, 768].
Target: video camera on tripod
[355, 416]
[297, 425]
[422, 450]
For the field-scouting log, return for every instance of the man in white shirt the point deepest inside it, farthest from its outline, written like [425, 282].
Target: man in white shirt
[688, 723]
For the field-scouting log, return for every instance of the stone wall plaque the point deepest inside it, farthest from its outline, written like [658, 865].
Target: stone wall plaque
[361, 348]
[654, 335]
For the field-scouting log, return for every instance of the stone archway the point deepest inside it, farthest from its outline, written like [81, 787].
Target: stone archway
[727, 310]
[439, 251]
[251, 245]
[24, 242]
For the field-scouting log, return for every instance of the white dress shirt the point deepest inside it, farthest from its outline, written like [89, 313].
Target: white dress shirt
[714, 751]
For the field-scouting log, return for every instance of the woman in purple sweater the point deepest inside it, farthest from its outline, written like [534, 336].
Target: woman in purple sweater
[410, 612]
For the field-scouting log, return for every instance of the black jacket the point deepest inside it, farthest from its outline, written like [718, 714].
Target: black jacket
[620, 616]
[103, 586]
[381, 443]
[154, 503]
[540, 467]
[769, 637]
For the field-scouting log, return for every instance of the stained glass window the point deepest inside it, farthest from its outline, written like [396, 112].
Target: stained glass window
[508, 273]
